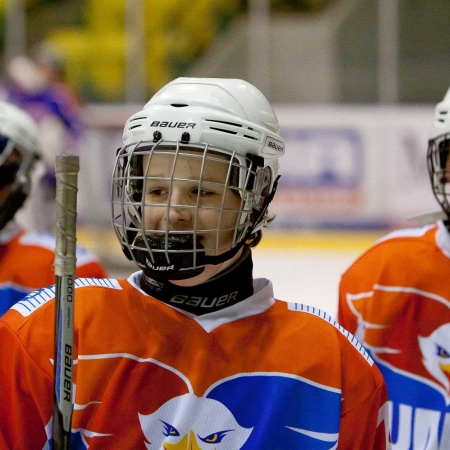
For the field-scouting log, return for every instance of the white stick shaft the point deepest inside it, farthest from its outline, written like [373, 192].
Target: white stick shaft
[67, 167]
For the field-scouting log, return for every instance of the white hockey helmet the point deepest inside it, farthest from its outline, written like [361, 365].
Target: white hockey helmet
[209, 118]
[438, 154]
[19, 151]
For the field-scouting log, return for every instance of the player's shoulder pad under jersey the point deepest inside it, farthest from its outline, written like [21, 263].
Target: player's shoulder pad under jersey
[406, 232]
[323, 315]
[36, 299]
[48, 241]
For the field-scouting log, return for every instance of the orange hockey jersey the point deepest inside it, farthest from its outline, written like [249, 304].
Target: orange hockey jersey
[259, 375]
[26, 264]
[396, 299]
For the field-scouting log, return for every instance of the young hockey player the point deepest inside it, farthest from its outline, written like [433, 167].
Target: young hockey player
[26, 258]
[191, 352]
[396, 299]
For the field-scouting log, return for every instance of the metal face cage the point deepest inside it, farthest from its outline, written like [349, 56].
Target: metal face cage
[177, 207]
[439, 169]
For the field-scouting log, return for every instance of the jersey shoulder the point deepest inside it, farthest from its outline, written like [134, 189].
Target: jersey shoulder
[327, 320]
[400, 245]
[37, 299]
[409, 234]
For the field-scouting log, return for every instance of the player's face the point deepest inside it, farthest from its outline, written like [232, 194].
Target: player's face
[185, 204]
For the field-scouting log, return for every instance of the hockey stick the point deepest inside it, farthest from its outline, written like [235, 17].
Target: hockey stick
[67, 167]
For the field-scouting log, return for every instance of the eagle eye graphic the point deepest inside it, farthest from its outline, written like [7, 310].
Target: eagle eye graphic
[442, 352]
[215, 438]
[193, 421]
[169, 430]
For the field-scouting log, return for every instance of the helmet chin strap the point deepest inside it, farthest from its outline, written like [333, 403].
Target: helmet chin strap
[181, 265]
[173, 273]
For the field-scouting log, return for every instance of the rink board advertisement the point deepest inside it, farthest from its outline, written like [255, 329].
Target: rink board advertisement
[325, 182]
[344, 166]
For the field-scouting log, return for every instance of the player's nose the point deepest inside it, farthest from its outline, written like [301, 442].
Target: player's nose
[180, 206]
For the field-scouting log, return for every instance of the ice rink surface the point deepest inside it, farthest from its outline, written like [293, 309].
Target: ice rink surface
[304, 266]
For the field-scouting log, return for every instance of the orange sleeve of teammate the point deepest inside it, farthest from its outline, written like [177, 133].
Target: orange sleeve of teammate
[24, 382]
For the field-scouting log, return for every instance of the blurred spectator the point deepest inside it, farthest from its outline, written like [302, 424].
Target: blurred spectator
[35, 84]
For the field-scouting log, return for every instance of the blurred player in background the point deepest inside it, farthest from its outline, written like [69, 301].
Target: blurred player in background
[395, 298]
[191, 351]
[34, 84]
[26, 258]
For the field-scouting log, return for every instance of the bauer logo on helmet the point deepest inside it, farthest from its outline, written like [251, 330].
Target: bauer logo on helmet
[273, 147]
[159, 124]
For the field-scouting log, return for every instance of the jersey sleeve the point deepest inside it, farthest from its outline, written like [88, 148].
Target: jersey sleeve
[23, 382]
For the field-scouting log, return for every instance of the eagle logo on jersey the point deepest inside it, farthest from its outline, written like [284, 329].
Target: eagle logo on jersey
[427, 342]
[173, 427]
[244, 411]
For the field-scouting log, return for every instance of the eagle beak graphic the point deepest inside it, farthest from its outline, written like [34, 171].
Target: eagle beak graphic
[436, 356]
[187, 443]
[445, 368]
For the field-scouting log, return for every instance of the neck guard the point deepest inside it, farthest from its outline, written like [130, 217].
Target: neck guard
[225, 289]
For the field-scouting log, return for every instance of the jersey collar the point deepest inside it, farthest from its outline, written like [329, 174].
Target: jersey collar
[261, 300]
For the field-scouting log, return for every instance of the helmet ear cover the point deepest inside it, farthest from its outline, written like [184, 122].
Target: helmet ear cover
[260, 216]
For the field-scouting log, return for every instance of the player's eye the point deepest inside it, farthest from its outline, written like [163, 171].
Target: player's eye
[203, 192]
[157, 192]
